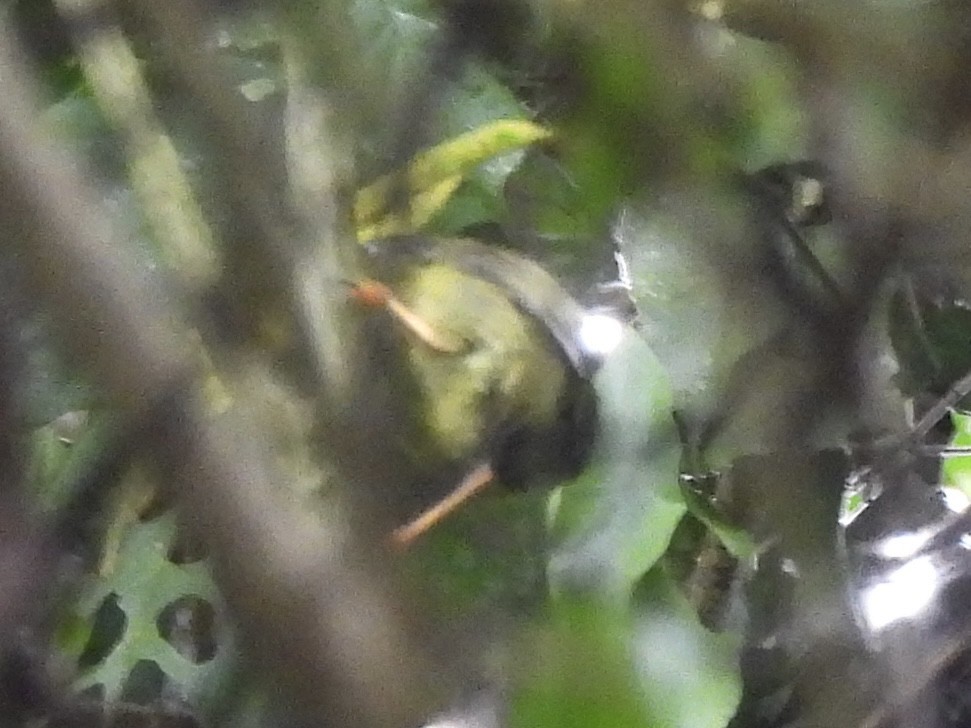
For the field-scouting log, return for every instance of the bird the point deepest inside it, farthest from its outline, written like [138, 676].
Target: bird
[484, 350]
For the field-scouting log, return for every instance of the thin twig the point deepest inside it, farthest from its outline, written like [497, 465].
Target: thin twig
[473, 484]
[935, 414]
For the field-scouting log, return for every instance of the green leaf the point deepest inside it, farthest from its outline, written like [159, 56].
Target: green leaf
[676, 286]
[736, 539]
[60, 452]
[397, 34]
[542, 194]
[611, 525]
[689, 674]
[578, 672]
[769, 122]
[589, 665]
[930, 337]
[435, 174]
[487, 560]
[144, 582]
[720, 337]
[956, 472]
[478, 100]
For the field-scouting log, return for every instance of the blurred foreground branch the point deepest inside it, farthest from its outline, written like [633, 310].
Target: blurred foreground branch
[315, 614]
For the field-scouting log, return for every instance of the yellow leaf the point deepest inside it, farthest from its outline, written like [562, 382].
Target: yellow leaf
[435, 174]
[424, 205]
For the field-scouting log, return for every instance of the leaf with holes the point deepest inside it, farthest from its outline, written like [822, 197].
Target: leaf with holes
[148, 589]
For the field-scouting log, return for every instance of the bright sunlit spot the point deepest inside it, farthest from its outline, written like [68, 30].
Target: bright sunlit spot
[903, 545]
[904, 593]
[448, 723]
[600, 334]
[956, 499]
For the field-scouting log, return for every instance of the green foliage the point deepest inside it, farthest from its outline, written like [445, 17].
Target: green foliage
[655, 666]
[931, 339]
[623, 647]
[582, 674]
[613, 524]
[733, 536]
[956, 471]
[689, 674]
[478, 99]
[574, 584]
[57, 457]
[676, 287]
[486, 566]
[143, 584]
[491, 149]
[398, 33]
[770, 126]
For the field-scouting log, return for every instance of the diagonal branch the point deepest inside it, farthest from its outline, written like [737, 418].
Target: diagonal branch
[316, 613]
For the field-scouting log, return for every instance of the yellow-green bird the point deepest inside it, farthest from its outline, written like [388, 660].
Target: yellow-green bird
[483, 347]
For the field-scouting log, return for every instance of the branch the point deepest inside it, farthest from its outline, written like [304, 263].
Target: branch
[316, 613]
